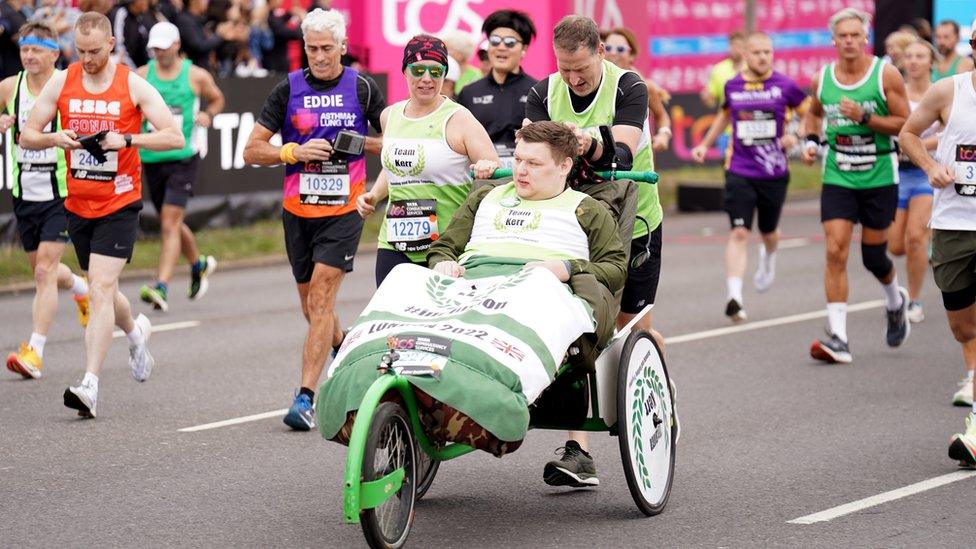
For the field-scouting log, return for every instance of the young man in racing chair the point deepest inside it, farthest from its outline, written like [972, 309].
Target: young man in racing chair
[536, 218]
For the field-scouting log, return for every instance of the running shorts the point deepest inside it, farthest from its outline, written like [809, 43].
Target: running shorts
[113, 235]
[331, 240]
[873, 208]
[744, 196]
[40, 222]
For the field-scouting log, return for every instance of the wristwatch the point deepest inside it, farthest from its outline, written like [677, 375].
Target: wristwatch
[865, 117]
[128, 140]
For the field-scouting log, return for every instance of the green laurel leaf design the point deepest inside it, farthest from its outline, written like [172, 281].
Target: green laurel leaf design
[389, 164]
[418, 168]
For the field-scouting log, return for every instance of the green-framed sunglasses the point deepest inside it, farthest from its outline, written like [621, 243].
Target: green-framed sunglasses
[435, 71]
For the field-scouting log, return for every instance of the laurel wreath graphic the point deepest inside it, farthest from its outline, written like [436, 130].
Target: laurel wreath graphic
[649, 381]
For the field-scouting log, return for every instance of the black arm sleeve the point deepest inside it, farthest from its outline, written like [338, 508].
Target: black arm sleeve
[279, 27]
[193, 37]
[535, 106]
[631, 101]
[372, 99]
[273, 114]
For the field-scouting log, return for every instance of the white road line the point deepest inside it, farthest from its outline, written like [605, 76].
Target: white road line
[164, 327]
[872, 501]
[235, 421]
[793, 243]
[758, 325]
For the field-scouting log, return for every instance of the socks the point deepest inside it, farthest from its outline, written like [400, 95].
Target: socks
[892, 295]
[306, 391]
[969, 375]
[837, 319]
[90, 380]
[767, 260]
[734, 284]
[135, 337]
[79, 286]
[37, 342]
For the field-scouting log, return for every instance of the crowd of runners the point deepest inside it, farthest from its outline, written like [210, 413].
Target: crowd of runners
[897, 137]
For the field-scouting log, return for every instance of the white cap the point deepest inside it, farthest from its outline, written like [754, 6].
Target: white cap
[163, 35]
[453, 69]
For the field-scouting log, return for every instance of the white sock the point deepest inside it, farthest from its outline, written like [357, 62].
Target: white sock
[767, 259]
[78, 285]
[734, 285]
[90, 380]
[135, 337]
[892, 295]
[37, 342]
[837, 319]
[969, 375]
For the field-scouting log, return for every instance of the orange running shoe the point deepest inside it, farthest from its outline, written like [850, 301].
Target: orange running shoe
[82, 302]
[25, 362]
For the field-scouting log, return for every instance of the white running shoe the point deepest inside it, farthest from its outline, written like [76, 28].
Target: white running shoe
[82, 398]
[915, 313]
[764, 277]
[140, 361]
[964, 396]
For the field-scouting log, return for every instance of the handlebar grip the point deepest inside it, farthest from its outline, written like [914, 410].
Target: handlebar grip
[643, 177]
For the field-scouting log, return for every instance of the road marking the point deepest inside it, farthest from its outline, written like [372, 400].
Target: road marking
[793, 243]
[164, 327]
[758, 325]
[235, 421]
[872, 501]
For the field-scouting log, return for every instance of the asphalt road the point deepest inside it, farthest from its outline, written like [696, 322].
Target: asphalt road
[768, 435]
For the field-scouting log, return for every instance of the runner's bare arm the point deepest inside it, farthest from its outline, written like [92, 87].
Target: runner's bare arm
[655, 105]
[44, 111]
[965, 65]
[374, 144]
[143, 71]
[812, 121]
[167, 135]
[206, 88]
[896, 99]
[468, 137]
[366, 202]
[6, 93]
[930, 110]
[718, 126]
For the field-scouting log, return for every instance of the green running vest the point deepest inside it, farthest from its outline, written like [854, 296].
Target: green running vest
[182, 102]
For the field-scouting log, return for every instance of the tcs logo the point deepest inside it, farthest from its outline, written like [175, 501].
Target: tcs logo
[94, 106]
[402, 20]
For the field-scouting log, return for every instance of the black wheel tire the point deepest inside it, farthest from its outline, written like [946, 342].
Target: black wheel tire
[426, 471]
[642, 353]
[390, 426]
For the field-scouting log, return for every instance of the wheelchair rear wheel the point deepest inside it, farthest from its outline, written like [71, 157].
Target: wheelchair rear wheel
[389, 446]
[426, 470]
[647, 425]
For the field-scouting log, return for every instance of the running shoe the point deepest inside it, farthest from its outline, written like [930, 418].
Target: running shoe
[832, 350]
[734, 310]
[964, 396]
[203, 268]
[962, 447]
[25, 362]
[82, 398]
[140, 361]
[915, 313]
[898, 326]
[82, 302]
[301, 415]
[335, 349]
[574, 468]
[764, 277]
[155, 296]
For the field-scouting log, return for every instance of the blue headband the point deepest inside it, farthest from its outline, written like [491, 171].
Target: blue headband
[42, 42]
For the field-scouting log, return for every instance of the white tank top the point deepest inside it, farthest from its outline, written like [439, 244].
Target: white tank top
[954, 207]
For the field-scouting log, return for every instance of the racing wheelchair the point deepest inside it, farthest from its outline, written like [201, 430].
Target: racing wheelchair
[626, 392]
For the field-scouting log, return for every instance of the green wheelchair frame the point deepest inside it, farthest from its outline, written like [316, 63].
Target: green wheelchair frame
[637, 398]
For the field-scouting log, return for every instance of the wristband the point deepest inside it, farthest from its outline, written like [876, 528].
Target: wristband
[865, 118]
[128, 140]
[569, 267]
[287, 153]
[591, 150]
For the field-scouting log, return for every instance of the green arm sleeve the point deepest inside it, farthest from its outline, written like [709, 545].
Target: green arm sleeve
[450, 245]
[608, 260]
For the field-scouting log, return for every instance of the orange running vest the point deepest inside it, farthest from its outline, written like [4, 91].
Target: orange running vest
[98, 189]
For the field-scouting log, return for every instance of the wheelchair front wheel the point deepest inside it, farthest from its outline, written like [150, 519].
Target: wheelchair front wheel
[426, 470]
[647, 425]
[390, 445]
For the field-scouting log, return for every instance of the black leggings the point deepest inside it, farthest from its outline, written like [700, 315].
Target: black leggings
[386, 260]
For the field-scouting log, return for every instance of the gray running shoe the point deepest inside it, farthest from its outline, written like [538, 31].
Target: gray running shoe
[575, 468]
[898, 327]
[831, 350]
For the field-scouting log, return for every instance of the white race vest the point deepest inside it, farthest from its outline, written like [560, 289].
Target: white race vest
[954, 207]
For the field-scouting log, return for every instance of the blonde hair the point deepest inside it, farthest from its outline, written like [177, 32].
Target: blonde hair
[93, 20]
[850, 13]
[459, 42]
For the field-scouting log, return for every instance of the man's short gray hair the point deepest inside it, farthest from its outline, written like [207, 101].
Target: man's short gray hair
[850, 13]
[331, 21]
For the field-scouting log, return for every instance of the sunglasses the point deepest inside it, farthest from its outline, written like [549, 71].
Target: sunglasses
[510, 42]
[435, 71]
[645, 254]
[616, 49]
[972, 44]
